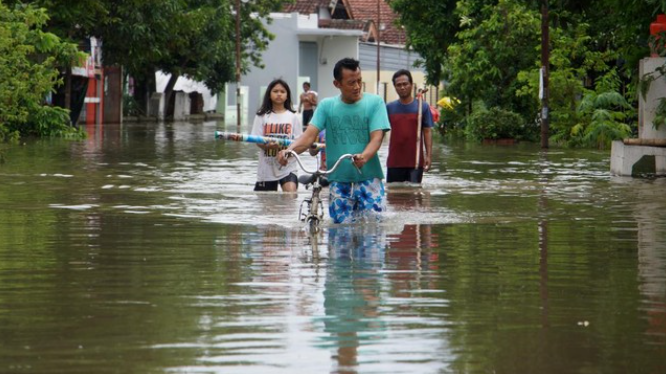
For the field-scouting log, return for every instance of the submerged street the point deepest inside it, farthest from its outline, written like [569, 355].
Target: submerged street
[143, 249]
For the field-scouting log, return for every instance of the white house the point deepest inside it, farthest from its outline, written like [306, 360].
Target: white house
[300, 52]
[310, 37]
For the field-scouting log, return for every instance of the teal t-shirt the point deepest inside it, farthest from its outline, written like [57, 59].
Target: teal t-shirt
[348, 128]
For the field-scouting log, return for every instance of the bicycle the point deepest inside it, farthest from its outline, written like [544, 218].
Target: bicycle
[314, 208]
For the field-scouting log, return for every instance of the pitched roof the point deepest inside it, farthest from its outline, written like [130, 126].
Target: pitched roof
[362, 12]
[367, 10]
[305, 6]
[345, 24]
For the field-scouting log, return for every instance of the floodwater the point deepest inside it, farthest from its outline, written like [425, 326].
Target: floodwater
[143, 249]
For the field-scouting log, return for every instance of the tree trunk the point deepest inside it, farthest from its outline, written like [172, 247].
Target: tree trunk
[545, 73]
[140, 95]
[144, 86]
[68, 88]
[168, 93]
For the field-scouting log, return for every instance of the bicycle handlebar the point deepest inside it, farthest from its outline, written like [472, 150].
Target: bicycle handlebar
[321, 172]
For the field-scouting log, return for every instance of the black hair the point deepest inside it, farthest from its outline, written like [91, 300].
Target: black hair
[345, 63]
[307, 83]
[267, 104]
[402, 72]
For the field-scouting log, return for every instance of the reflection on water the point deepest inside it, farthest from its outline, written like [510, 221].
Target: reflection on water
[294, 311]
[363, 312]
[144, 249]
[651, 234]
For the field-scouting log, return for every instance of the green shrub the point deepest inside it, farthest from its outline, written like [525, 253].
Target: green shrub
[602, 119]
[53, 122]
[601, 116]
[130, 106]
[451, 122]
[495, 123]
[660, 114]
[29, 72]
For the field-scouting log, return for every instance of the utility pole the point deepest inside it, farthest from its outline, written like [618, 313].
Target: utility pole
[238, 64]
[545, 72]
[379, 22]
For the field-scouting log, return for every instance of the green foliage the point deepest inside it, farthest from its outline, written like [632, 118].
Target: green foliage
[572, 60]
[602, 120]
[185, 38]
[646, 81]
[130, 106]
[490, 52]
[601, 116]
[71, 20]
[29, 58]
[431, 27]
[52, 122]
[623, 26]
[495, 123]
[451, 121]
[660, 114]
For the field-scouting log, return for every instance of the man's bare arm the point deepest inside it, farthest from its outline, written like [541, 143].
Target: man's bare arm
[427, 137]
[376, 138]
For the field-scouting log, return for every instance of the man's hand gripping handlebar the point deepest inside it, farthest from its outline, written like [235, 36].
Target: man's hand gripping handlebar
[285, 154]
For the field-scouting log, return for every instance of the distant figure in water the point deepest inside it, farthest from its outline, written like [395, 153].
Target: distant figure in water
[308, 103]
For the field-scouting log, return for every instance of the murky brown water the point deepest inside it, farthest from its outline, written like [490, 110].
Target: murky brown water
[144, 250]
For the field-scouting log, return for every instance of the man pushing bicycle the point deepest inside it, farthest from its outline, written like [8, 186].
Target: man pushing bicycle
[355, 122]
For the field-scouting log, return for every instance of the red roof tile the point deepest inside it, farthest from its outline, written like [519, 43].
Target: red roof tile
[359, 10]
[305, 6]
[367, 10]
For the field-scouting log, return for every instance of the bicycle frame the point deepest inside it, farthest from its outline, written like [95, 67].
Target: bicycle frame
[314, 208]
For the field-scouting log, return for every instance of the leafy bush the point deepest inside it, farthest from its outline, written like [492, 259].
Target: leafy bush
[7, 134]
[491, 48]
[451, 121]
[29, 72]
[130, 106]
[600, 117]
[660, 114]
[495, 123]
[53, 122]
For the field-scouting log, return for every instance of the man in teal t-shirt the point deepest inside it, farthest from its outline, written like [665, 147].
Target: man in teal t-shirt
[355, 123]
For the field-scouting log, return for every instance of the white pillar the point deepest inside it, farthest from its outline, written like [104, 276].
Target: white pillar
[648, 105]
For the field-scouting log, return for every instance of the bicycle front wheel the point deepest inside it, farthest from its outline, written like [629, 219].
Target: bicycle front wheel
[313, 225]
[314, 207]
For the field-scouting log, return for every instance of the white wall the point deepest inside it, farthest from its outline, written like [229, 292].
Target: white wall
[647, 106]
[281, 59]
[331, 51]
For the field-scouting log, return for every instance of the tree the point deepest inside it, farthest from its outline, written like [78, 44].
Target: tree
[431, 27]
[193, 38]
[29, 60]
[72, 21]
[489, 53]
[486, 50]
[183, 38]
